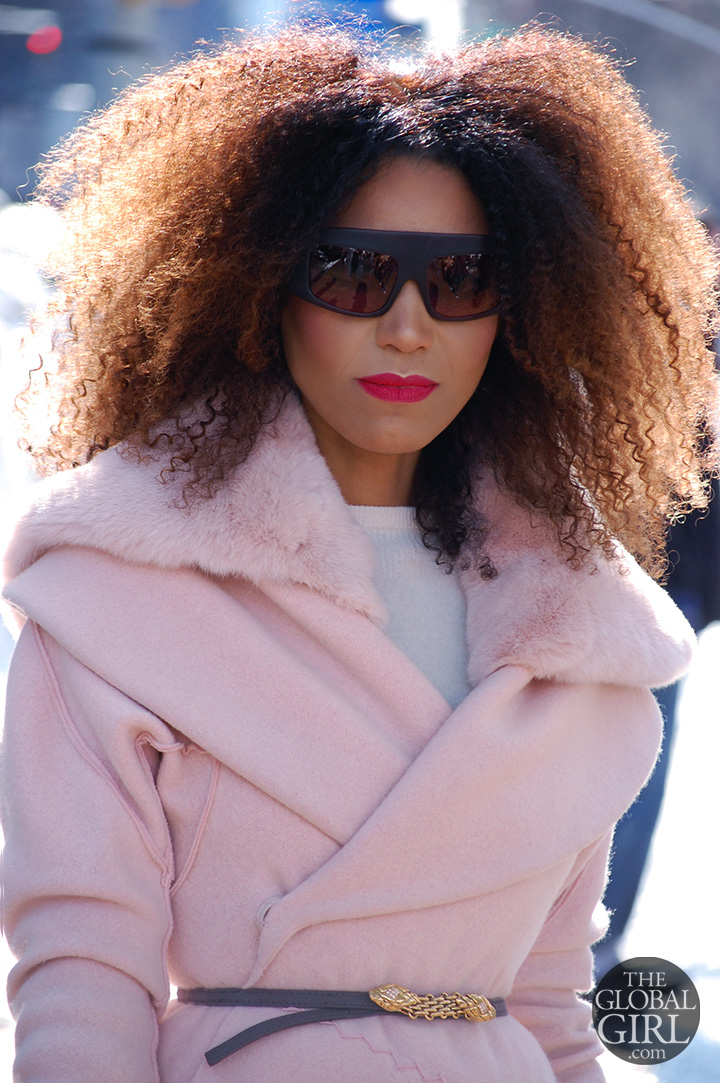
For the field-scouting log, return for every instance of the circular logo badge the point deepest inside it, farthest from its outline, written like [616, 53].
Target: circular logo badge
[646, 1010]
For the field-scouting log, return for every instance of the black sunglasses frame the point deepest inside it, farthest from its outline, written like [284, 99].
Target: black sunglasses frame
[413, 253]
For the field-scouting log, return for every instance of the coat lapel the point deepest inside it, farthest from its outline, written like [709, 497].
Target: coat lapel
[234, 673]
[385, 682]
[518, 759]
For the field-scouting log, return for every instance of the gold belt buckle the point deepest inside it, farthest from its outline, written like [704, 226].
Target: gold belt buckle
[395, 998]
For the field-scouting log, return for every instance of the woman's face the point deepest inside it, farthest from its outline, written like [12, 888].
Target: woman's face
[330, 354]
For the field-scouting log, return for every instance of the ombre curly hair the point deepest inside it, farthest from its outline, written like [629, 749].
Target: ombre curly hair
[191, 199]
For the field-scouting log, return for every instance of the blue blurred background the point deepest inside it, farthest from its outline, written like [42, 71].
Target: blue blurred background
[58, 62]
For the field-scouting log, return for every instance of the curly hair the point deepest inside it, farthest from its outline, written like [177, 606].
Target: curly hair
[190, 200]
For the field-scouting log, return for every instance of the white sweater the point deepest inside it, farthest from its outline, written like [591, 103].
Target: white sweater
[426, 605]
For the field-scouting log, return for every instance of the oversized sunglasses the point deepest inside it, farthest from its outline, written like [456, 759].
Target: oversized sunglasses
[361, 271]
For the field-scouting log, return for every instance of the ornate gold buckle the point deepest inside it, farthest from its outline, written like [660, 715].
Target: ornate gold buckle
[395, 998]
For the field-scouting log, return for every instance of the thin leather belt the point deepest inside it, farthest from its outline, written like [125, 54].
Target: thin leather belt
[322, 1005]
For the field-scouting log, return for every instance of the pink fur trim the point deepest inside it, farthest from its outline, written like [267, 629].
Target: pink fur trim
[280, 517]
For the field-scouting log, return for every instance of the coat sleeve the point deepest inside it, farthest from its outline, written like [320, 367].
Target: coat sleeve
[545, 993]
[87, 868]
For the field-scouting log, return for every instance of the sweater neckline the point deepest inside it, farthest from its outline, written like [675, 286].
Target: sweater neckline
[372, 517]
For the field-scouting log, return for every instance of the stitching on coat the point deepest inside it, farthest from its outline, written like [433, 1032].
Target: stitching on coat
[154, 1050]
[89, 756]
[141, 740]
[414, 1067]
[575, 877]
[200, 830]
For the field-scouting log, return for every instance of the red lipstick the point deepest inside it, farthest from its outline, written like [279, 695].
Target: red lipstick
[393, 388]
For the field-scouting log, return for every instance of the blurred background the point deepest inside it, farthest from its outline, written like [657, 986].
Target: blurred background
[59, 63]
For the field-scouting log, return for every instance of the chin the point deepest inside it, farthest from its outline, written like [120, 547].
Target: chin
[394, 446]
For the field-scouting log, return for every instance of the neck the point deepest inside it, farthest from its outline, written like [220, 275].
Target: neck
[379, 479]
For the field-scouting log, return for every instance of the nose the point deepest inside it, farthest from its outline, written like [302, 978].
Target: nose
[407, 325]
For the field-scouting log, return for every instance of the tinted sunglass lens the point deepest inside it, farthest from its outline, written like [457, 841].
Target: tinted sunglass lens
[351, 279]
[460, 286]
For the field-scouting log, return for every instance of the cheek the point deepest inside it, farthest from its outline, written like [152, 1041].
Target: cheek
[315, 341]
[301, 333]
[473, 352]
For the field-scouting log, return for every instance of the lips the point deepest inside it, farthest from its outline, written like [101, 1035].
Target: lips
[393, 388]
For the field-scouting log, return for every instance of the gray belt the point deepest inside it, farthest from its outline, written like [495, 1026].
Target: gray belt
[322, 1005]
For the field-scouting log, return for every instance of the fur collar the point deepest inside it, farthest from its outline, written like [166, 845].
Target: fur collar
[610, 624]
[280, 517]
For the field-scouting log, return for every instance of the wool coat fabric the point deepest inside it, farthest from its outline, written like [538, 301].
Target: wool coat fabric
[219, 771]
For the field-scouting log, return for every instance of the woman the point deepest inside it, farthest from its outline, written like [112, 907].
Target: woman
[259, 739]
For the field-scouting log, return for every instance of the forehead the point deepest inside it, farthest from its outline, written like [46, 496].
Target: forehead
[416, 195]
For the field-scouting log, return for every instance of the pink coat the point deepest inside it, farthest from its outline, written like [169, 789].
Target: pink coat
[218, 768]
